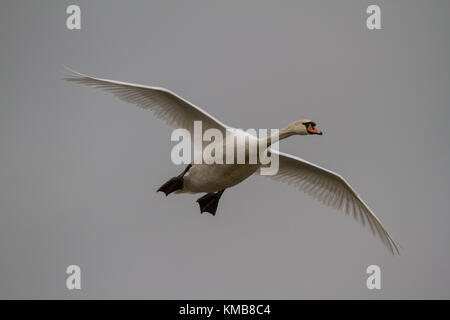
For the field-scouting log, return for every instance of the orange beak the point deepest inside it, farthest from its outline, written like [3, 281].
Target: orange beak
[313, 130]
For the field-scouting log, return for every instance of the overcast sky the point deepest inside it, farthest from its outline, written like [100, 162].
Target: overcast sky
[79, 169]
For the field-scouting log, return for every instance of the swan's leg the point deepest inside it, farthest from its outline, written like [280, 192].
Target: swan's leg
[175, 183]
[209, 202]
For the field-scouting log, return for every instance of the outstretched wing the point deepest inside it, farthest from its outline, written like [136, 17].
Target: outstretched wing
[332, 190]
[164, 104]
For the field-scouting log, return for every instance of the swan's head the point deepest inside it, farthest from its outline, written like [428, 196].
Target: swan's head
[304, 127]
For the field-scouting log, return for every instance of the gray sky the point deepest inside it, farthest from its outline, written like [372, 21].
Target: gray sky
[79, 168]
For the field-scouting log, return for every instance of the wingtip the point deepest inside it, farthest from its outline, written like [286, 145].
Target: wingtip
[70, 74]
[394, 246]
[70, 69]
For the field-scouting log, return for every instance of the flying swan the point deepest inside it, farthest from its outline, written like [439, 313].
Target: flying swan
[324, 185]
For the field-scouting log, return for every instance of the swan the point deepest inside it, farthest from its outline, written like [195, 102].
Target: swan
[324, 185]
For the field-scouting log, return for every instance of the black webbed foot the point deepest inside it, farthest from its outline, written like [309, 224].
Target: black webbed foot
[172, 185]
[208, 203]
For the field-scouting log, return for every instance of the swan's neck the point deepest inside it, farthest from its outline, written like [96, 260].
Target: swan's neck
[280, 135]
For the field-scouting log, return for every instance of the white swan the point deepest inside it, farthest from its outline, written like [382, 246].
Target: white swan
[324, 185]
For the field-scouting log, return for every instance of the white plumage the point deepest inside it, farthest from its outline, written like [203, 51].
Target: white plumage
[324, 185]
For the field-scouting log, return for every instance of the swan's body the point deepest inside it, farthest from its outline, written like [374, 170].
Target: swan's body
[324, 185]
[214, 177]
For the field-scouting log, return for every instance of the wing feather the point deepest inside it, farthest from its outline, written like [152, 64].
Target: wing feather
[331, 189]
[164, 104]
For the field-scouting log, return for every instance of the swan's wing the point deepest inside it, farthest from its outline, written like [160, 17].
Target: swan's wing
[165, 105]
[332, 190]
